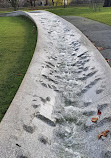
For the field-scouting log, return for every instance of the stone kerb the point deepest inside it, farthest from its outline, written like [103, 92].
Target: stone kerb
[66, 84]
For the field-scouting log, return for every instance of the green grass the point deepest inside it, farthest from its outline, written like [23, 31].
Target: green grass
[17, 44]
[70, 11]
[5, 10]
[104, 15]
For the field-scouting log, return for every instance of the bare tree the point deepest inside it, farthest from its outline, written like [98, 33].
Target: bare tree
[34, 2]
[64, 4]
[46, 2]
[53, 2]
[31, 3]
[14, 4]
[95, 4]
[107, 3]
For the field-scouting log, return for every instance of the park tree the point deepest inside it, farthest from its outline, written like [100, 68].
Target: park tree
[64, 4]
[107, 3]
[52, 2]
[46, 2]
[14, 4]
[32, 3]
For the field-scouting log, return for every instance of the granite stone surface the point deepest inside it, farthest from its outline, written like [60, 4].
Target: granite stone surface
[98, 33]
[67, 83]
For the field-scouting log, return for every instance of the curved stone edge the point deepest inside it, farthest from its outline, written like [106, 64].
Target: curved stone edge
[19, 115]
[13, 119]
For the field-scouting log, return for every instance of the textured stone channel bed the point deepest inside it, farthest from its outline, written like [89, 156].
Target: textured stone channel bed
[66, 84]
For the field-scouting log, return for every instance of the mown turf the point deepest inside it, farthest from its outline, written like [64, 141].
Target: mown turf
[104, 15]
[5, 11]
[17, 44]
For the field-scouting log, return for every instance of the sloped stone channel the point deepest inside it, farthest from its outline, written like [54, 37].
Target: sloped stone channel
[67, 84]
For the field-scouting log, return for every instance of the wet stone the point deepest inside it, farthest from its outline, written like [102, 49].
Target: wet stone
[44, 85]
[18, 145]
[89, 113]
[21, 156]
[46, 120]
[43, 100]
[35, 106]
[28, 129]
[70, 67]
[48, 99]
[43, 139]
[102, 106]
[106, 154]
[99, 91]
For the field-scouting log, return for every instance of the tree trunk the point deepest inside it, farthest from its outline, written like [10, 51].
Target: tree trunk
[14, 4]
[107, 3]
[52, 2]
[64, 4]
[31, 3]
[34, 3]
[46, 2]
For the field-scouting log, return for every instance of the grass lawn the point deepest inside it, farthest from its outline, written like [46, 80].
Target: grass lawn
[104, 15]
[17, 44]
[5, 10]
